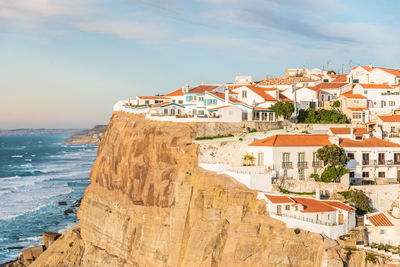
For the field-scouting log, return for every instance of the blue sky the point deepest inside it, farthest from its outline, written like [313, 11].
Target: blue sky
[64, 63]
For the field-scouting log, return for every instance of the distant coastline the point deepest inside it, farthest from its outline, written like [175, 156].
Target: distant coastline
[37, 131]
[87, 137]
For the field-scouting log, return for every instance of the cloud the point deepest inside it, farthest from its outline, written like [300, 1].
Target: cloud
[126, 29]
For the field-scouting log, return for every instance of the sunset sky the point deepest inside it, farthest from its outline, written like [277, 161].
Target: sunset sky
[64, 63]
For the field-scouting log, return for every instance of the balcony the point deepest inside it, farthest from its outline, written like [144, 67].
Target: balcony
[365, 162]
[390, 93]
[380, 162]
[287, 165]
[317, 164]
[302, 164]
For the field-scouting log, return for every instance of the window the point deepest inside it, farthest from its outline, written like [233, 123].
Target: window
[301, 174]
[381, 158]
[382, 231]
[244, 94]
[365, 92]
[285, 173]
[287, 207]
[365, 158]
[317, 217]
[351, 174]
[356, 115]
[165, 111]
[381, 174]
[355, 81]
[146, 102]
[285, 157]
[201, 112]
[396, 158]
[365, 174]
[392, 103]
[326, 80]
[244, 116]
[350, 155]
[180, 101]
[359, 138]
[173, 100]
[383, 103]
[329, 216]
[305, 84]
[392, 129]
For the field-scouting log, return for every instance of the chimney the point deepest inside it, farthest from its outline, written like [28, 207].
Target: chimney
[370, 65]
[317, 194]
[227, 96]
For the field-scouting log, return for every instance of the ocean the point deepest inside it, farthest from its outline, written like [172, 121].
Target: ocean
[36, 173]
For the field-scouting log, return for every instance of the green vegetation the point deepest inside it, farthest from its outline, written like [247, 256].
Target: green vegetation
[71, 244]
[248, 159]
[253, 130]
[371, 258]
[331, 72]
[240, 139]
[213, 137]
[358, 199]
[386, 247]
[305, 132]
[283, 108]
[336, 104]
[315, 176]
[349, 251]
[335, 157]
[295, 193]
[321, 116]
[297, 231]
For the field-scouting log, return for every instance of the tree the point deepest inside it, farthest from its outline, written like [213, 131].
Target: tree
[331, 72]
[335, 157]
[336, 104]
[332, 155]
[283, 108]
[322, 116]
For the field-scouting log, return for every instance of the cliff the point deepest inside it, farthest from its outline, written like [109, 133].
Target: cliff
[87, 137]
[149, 204]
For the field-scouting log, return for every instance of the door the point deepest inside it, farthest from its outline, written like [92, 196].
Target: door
[260, 159]
[340, 218]
[381, 158]
[365, 158]
[279, 210]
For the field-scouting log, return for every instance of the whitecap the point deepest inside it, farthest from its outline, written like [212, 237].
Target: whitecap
[17, 156]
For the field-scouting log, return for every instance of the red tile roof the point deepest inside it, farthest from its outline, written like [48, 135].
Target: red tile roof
[375, 86]
[261, 109]
[282, 97]
[338, 204]
[350, 94]
[279, 199]
[367, 68]
[357, 109]
[358, 131]
[391, 118]
[177, 92]
[152, 97]
[285, 80]
[340, 78]
[294, 140]
[368, 142]
[392, 71]
[201, 89]
[380, 219]
[313, 205]
[261, 92]
[334, 85]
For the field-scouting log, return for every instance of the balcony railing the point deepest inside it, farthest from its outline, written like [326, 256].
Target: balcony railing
[317, 164]
[302, 164]
[297, 217]
[379, 162]
[390, 93]
[287, 165]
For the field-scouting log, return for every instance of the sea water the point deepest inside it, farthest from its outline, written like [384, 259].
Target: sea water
[36, 173]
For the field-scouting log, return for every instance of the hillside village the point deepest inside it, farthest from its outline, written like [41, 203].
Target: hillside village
[322, 149]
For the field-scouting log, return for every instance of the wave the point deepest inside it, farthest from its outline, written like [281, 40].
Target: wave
[17, 156]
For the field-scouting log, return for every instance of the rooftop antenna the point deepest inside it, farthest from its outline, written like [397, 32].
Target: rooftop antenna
[350, 62]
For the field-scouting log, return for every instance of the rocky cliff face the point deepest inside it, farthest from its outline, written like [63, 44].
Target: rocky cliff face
[149, 204]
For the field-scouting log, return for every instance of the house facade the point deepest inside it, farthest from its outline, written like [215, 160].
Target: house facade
[330, 217]
[390, 125]
[383, 227]
[381, 98]
[355, 107]
[374, 75]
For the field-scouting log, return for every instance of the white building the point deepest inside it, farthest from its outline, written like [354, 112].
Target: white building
[308, 97]
[330, 217]
[382, 98]
[383, 227]
[295, 155]
[390, 125]
[374, 75]
[149, 100]
[354, 106]
[333, 88]
[167, 109]
[283, 83]
[243, 79]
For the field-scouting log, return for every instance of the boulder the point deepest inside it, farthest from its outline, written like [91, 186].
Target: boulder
[49, 238]
[62, 203]
[31, 254]
[68, 211]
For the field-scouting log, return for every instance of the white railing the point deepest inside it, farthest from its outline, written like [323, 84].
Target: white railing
[297, 217]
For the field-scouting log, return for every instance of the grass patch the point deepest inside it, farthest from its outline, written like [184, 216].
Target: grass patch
[296, 193]
[371, 258]
[213, 137]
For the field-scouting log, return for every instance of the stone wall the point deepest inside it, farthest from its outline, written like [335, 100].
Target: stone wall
[215, 128]
[382, 197]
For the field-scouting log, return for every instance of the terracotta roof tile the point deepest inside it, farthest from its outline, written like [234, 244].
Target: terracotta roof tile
[313, 205]
[358, 131]
[177, 92]
[285, 80]
[218, 108]
[368, 142]
[357, 109]
[282, 97]
[294, 140]
[350, 94]
[152, 97]
[338, 204]
[375, 86]
[201, 89]
[333, 85]
[380, 219]
[391, 118]
[279, 199]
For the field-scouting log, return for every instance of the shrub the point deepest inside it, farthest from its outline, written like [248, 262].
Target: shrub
[240, 139]
[213, 137]
[371, 258]
[296, 193]
[359, 200]
[333, 155]
[283, 108]
[71, 244]
[297, 231]
[332, 173]
[336, 104]
[315, 176]
[322, 116]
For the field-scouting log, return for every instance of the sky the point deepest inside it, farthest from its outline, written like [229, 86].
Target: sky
[64, 63]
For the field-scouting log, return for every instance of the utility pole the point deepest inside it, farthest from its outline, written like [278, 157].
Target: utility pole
[342, 68]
